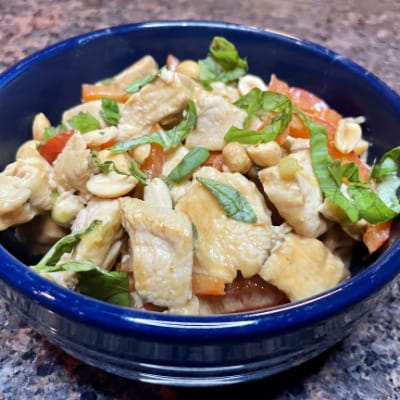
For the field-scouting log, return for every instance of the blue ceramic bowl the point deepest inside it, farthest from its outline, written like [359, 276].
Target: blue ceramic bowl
[183, 350]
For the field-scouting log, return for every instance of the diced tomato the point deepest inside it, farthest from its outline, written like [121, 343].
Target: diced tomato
[297, 128]
[279, 86]
[152, 166]
[245, 295]
[375, 236]
[215, 160]
[108, 144]
[207, 285]
[307, 101]
[97, 92]
[281, 138]
[52, 147]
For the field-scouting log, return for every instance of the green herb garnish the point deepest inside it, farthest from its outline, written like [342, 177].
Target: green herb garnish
[167, 139]
[137, 84]
[110, 111]
[223, 63]
[232, 201]
[196, 157]
[262, 104]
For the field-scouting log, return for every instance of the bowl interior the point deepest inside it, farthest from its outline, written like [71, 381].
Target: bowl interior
[49, 81]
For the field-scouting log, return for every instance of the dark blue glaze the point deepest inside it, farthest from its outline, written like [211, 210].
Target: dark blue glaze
[177, 349]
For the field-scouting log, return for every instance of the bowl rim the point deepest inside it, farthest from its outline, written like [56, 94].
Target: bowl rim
[127, 321]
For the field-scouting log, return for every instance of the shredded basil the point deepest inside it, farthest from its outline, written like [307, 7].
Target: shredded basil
[137, 84]
[54, 131]
[223, 63]
[387, 178]
[196, 157]
[322, 165]
[137, 172]
[167, 139]
[83, 122]
[232, 201]
[96, 282]
[374, 207]
[108, 166]
[110, 286]
[65, 245]
[262, 104]
[369, 205]
[110, 111]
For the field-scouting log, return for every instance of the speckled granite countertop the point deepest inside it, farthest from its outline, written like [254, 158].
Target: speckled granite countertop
[366, 365]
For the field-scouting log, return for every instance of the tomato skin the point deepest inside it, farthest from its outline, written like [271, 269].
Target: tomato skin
[52, 147]
[215, 160]
[278, 86]
[307, 101]
[375, 236]
[152, 166]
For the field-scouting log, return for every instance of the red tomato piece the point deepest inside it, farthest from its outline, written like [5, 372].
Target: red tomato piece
[52, 147]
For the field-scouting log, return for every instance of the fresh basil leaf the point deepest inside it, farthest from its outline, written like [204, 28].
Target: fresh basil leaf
[386, 174]
[84, 122]
[321, 162]
[335, 171]
[137, 84]
[54, 131]
[387, 189]
[110, 111]
[96, 282]
[232, 201]
[252, 103]
[350, 171]
[223, 63]
[261, 104]
[388, 164]
[270, 132]
[371, 207]
[192, 160]
[65, 245]
[137, 172]
[105, 167]
[167, 139]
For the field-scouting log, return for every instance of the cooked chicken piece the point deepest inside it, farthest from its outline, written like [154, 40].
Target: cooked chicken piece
[152, 103]
[26, 187]
[173, 158]
[92, 107]
[156, 193]
[147, 65]
[229, 93]
[298, 199]
[224, 245]
[161, 242]
[303, 267]
[102, 244]
[215, 116]
[74, 165]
